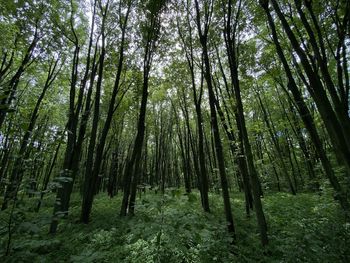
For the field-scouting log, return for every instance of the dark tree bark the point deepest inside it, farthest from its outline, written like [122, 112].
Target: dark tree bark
[296, 128]
[9, 92]
[230, 32]
[75, 139]
[6, 63]
[18, 167]
[182, 139]
[203, 37]
[92, 173]
[197, 98]
[335, 121]
[237, 152]
[279, 152]
[132, 169]
[47, 176]
[304, 111]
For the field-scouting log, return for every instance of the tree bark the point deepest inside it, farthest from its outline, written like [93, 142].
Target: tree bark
[203, 37]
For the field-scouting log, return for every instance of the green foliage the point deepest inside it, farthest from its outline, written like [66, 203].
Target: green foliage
[176, 231]
[173, 228]
[169, 227]
[307, 229]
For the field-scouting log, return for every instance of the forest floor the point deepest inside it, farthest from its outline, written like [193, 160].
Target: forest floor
[172, 228]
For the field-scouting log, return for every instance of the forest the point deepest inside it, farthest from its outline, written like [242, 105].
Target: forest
[174, 131]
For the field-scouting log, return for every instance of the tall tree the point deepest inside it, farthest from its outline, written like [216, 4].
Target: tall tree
[150, 36]
[71, 155]
[335, 119]
[203, 25]
[197, 99]
[230, 33]
[18, 167]
[304, 111]
[92, 171]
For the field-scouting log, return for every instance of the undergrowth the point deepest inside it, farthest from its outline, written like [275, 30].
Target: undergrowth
[172, 228]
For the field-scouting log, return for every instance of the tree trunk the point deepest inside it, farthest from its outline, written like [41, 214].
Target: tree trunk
[203, 36]
[231, 54]
[306, 116]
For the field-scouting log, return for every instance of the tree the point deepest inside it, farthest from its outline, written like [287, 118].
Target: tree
[150, 35]
[93, 166]
[230, 34]
[203, 37]
[18, 167]
[304, 112]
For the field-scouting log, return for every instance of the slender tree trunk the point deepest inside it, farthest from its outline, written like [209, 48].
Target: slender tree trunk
[336, 128]
[231, 46]
[47, 177]
[197, 98]
[132, 170]
[306, 115]
[77, 152]
[18, 169]
[96, 163]
[273, 132]
[203, 36]
[90, 178]
[9, 92]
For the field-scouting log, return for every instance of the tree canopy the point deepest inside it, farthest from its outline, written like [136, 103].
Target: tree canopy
[212, 123]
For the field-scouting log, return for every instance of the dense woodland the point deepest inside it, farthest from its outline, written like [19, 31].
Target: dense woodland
[174, 131]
